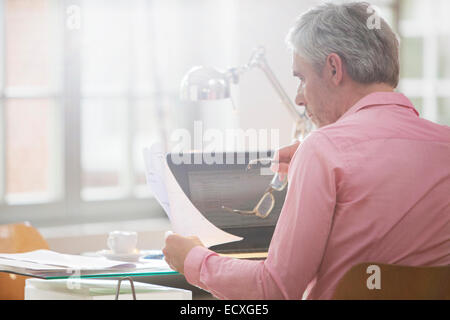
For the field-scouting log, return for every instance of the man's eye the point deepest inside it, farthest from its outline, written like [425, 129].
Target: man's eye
[302, 81]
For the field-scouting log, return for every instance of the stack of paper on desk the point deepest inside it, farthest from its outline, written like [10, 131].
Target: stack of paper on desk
[46, 261]
[59, 260]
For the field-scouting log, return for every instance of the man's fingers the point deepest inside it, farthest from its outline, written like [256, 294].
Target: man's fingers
[170, 264]
[283, 157]
[177, 248]
[167, 234]
[285, 154]
[167, 260]
[280, 167]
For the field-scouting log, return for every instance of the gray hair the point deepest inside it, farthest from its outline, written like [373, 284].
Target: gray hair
[370, 55]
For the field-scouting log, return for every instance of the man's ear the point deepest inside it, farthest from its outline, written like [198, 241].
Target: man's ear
[334, 68]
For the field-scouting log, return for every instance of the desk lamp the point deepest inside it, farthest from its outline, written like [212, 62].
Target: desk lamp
[206, 83]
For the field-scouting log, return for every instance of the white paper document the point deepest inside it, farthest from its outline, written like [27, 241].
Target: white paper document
[50, 263]
[18, 265]
[185, 218]
[48, 260]
[154, 165]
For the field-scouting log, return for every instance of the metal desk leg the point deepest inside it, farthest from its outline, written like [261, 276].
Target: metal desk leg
[132, 287]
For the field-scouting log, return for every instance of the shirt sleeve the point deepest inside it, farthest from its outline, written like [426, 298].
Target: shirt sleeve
[299, 239]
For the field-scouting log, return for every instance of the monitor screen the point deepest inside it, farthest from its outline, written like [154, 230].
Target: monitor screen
[235, 189]
[211, 186]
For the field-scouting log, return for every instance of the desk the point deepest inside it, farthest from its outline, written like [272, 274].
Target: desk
[69, 273]
[90, 289]
[40, 282]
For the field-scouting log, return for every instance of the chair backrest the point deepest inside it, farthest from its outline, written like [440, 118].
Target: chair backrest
[17, 238]
[376, 281]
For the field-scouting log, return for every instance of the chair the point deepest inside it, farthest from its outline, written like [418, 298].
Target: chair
[396, 283]
[17, 238]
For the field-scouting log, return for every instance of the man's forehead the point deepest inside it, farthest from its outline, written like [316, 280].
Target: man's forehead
[297, 64]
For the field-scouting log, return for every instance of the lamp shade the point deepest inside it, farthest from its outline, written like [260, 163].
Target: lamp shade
[205, 83]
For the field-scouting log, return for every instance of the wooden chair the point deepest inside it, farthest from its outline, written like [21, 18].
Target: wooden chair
[396, 283]
[17, 238]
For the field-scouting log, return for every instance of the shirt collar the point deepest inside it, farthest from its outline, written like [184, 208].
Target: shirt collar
[379, 99]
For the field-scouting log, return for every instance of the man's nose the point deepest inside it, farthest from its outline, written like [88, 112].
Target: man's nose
[300, 98]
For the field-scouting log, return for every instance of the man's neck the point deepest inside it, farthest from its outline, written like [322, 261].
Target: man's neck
[357, 92]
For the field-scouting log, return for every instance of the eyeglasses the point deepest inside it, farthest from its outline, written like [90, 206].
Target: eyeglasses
[265, 205]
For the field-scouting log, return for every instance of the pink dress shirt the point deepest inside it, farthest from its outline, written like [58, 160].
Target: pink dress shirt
[372, 187]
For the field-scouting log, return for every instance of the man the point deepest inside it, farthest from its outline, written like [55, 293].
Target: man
[371, 184]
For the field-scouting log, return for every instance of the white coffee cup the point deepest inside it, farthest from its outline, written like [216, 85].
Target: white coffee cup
[122, 242]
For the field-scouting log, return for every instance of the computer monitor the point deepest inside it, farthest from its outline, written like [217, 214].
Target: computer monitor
[211, 186]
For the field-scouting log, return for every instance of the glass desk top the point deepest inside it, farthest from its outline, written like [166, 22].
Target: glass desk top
[151, 267]
[50, 265]
[70, 273]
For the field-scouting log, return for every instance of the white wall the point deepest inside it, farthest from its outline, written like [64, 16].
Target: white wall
[266, 22]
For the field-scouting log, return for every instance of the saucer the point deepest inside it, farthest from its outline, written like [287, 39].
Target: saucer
[127, 257]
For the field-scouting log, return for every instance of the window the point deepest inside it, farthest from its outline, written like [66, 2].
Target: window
[117, 90]
[85, 86]
[425, 57]
[30, 96]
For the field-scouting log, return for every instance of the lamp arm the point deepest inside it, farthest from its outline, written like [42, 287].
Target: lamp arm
[278, 88]
[302, 123]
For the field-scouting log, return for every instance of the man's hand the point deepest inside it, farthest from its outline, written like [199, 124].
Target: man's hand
[283, 158]
[177, 248]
